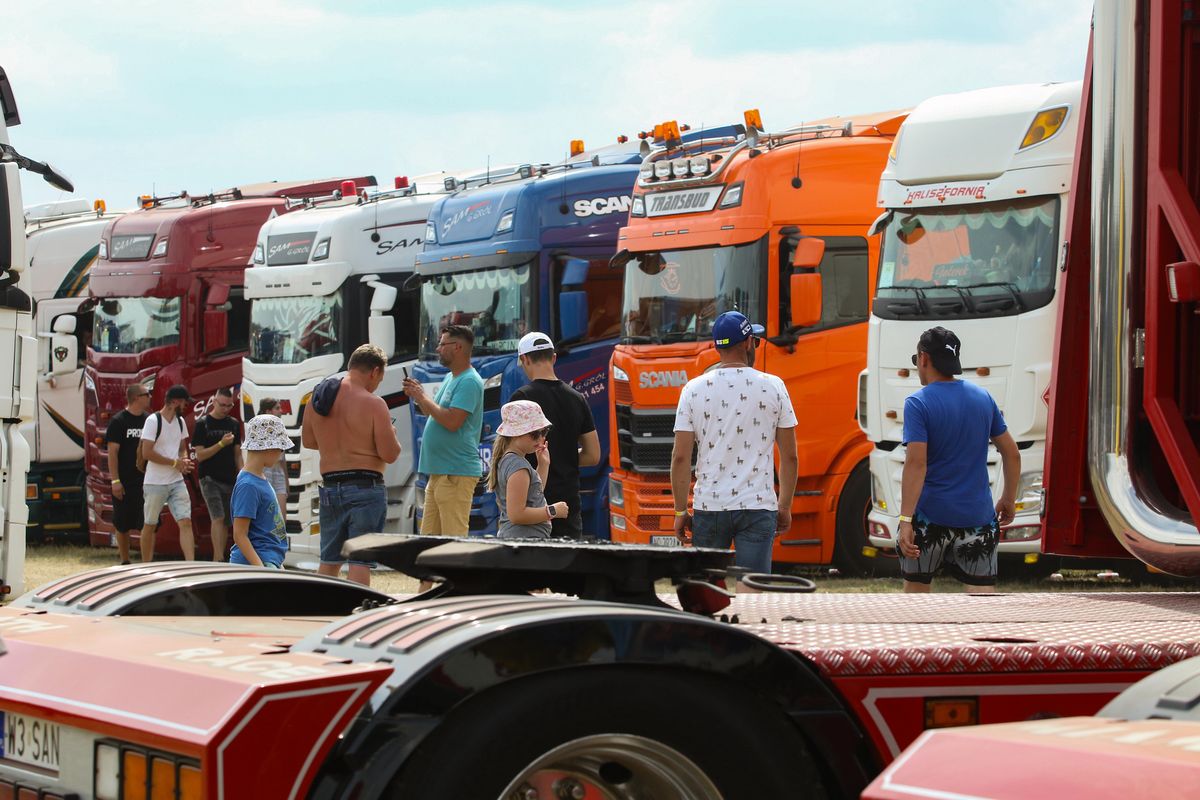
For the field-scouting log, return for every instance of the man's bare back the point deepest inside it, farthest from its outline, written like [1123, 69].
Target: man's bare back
[357, 434]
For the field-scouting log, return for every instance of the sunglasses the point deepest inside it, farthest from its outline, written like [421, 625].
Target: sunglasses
[541, 434]
[915, 356]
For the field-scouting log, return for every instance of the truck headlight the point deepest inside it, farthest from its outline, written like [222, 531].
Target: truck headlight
[259, 254]
[321, 251]
[616, 492]
[878, 495]
[620, 374]
[160, 249]
[1029, 493]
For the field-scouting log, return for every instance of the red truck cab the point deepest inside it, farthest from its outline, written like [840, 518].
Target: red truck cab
[168, 308]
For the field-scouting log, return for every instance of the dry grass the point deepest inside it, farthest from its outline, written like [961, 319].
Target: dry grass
[44, 563]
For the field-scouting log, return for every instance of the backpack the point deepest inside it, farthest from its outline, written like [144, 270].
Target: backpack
[157, 416]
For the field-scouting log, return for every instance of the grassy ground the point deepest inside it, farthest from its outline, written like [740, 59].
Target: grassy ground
[44, 563]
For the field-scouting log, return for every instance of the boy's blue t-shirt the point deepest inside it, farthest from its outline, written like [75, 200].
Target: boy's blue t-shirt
[254, 499]
[956, 420]
[446, 452]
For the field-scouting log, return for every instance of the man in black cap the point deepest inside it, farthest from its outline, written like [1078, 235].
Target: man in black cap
[947, 517]
[164, 446]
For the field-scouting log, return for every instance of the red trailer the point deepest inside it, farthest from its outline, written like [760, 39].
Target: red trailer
[168, 308]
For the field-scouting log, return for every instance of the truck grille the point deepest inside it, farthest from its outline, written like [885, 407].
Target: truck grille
[645, 438]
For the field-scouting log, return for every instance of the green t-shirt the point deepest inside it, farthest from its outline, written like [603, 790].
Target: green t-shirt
[446, 452]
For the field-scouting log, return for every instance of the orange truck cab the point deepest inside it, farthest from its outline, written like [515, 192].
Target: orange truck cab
[775, 226]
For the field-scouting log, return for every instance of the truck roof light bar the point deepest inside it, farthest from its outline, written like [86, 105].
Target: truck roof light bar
[215, 197]
[154, 201]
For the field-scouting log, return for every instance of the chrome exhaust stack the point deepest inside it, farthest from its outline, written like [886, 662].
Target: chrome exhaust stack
[1161, 538]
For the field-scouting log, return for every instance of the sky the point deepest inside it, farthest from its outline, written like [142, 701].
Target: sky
[130, 97]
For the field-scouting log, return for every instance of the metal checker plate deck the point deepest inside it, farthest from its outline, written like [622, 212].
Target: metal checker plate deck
[896, 634]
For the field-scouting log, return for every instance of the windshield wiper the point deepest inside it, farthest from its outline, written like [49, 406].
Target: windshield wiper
[918, 292]
[639, 339]
[678, 336]
[1010, 286]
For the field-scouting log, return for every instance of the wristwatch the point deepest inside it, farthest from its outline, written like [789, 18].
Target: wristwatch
[550, 510]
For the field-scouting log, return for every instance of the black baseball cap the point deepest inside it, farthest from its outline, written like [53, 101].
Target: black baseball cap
[178, 392]
[944, 350]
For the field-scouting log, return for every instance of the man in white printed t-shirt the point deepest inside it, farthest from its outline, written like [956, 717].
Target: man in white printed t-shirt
[734, 415]
[164, 446]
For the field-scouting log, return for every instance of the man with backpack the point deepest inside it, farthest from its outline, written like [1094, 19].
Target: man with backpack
[164, 446]
[123, 438]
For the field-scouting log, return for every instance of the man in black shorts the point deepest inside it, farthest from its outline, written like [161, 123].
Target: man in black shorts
[216, 439]
[573, 439]
[123, 437]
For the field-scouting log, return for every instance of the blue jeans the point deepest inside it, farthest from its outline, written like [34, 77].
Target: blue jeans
[752, 531]
[347, 510]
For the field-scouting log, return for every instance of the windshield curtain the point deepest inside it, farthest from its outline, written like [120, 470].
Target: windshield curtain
[1001, 253]
[494, 303]
[288, 330]
[675, 295]
[135, 324]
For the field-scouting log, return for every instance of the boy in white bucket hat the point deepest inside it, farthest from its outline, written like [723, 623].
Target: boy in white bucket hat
[524, 513]
[259, 538]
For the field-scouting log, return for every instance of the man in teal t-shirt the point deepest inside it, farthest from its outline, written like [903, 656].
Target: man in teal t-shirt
[450, 446]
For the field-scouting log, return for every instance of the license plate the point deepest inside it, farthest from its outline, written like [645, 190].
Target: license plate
[665, 541]
[29, 740]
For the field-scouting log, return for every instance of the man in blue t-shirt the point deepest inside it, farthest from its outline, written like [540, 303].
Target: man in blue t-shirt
[450, 445]
[947, 518]
[259, 538]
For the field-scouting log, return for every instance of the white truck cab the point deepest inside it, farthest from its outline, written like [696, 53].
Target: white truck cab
[325, 279]
[974, 198]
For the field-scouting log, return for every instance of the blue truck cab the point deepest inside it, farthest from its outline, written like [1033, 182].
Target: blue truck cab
[529, 253]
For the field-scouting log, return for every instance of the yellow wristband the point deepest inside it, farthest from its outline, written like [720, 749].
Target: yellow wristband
[905, 519]
[116, 481]
[681, 513]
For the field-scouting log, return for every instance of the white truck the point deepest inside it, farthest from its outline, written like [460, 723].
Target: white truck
[323, 280]
[62, 240]
[18, 347]
[974, 197]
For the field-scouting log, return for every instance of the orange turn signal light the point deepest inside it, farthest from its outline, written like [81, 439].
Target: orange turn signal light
[951, 712]
[1044, 125]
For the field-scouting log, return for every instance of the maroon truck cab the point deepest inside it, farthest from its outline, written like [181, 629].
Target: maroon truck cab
[168, 308]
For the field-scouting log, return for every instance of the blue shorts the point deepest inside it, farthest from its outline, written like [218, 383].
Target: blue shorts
[751, 531]
[236, 557]
[350, 509]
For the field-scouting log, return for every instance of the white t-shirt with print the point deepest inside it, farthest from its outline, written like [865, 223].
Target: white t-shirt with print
[167, 435]
[734, 412]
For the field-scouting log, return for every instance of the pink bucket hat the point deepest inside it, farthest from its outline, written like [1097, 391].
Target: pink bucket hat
[521, 417]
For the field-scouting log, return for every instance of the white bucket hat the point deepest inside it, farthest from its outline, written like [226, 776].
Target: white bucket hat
[266, 432]
[521, 417]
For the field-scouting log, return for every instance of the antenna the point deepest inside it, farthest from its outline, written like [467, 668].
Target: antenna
[796, 182]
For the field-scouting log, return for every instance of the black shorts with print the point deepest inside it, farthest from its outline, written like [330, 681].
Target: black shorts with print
[967, 554]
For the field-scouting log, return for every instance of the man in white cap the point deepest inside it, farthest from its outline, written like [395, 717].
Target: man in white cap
[573, 440]
[259, 538]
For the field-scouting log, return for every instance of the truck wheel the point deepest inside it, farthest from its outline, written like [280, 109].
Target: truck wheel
[612, 733]
[853, 506]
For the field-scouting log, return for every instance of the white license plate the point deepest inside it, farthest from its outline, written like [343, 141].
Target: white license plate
[665, 541]
[29, 740]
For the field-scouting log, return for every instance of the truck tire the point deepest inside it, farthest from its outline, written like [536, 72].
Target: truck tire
[612, 732]
[852, 510]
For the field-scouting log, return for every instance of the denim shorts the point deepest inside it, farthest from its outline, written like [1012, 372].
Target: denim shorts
[173, 495]
[350, 509]
[751, 531]
[218, 497]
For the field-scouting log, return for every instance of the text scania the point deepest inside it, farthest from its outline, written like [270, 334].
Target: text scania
[602, 205]
[662, 378]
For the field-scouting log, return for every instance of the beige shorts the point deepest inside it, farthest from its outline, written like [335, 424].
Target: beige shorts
[448, 505]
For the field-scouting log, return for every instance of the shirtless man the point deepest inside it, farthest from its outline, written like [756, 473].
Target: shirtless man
[354, 437]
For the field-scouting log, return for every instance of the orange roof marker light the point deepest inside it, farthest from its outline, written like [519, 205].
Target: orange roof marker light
[753, 119]
[576, 146]
[99, 207]
[146, 201]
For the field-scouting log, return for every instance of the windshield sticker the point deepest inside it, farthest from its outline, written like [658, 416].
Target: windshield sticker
[289, 248]
[669, 278]
[130, 248]
[469, 214]
[942, 192]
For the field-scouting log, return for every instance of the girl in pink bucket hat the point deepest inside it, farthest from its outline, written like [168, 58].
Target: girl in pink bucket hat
[524, 513]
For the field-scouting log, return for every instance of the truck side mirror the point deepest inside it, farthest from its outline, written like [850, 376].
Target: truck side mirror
[381, 328]
[805, 281]
[573, 302]
[806, 299]
[218, 294]
[64, 323]
[216, 330]
[64, 351]
[12, 242]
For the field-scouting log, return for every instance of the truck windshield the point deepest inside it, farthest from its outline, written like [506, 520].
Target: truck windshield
[288, 330]
[135, 324]
[990, 259]
[675, 295]
[494, 303]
